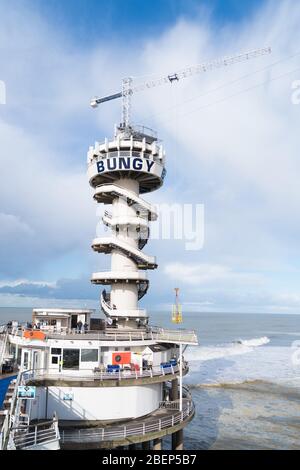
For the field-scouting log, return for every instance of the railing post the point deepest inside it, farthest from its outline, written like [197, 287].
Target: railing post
[102, 434]
[159, 424]
[124, 431]
[35, 435]
[144, 429]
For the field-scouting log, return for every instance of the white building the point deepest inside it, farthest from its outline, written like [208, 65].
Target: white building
[108, 383]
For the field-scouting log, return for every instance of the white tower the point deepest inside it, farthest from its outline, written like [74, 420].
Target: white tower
[119, 170]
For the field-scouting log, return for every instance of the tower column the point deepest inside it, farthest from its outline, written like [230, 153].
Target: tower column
[177, 440]
[174, 390]
[157, 444]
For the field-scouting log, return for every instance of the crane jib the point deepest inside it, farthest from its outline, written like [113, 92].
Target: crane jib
[108, 98]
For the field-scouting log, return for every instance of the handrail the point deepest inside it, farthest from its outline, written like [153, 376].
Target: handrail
[156, 371]
[3, 349]
[119, 432]
[152, 333]
[24, 438]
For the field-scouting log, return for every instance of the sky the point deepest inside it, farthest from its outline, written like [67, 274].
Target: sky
[230, 135]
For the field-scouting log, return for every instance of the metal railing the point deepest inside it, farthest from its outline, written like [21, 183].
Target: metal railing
[4, 432]
[117, 432]
[4, 332]
[36, 434]
[44, 374]
[150, 334]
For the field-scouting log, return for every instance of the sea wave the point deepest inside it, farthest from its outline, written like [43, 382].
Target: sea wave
[255, 341]
[207, 353]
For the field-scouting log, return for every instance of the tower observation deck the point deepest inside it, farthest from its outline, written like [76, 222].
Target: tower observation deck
[119, 170]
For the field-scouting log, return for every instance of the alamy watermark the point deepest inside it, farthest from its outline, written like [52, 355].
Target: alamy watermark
[2, 92]
[296, 92]
[183, 222]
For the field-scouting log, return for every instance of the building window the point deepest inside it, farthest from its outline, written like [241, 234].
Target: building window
[104, 348]
[71, 359]
[19, 356]
[56, 351]
[25, 360]
[89, 355]
[54, 360]
[53, 322]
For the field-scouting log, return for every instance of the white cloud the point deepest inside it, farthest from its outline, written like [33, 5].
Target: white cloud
[237, 155]
[198, 274]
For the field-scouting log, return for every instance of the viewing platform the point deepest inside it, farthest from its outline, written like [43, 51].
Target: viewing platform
[164, 421]
[46, 378]
[154, 334]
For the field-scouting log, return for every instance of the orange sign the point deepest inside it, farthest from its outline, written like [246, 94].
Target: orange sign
[121, 358]
[34, 334]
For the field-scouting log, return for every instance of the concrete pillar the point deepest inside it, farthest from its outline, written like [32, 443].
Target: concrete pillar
[177, 440]
[157, 444]
[174, 390]
[146, 445]
[131, 447]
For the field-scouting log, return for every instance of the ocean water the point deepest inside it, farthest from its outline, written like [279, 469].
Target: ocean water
[244, 381]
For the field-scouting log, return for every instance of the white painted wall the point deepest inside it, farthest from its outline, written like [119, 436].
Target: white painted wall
[91, 403]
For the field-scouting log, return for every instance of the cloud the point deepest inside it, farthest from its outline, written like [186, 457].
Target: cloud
[231, 137]
[199, 274]
[63, 289]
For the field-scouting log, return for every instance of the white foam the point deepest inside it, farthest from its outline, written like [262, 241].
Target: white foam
[255, 341]
[237, 362]
[231, 349]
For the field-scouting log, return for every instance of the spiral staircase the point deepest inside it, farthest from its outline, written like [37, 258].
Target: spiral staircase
[128, 220]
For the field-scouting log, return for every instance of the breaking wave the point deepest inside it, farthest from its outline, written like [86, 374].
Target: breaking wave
[207, 353]
[255, 341]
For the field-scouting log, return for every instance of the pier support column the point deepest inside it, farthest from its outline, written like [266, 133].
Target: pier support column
[157, 444]
[132, 447]
[146, 445]
[174, 390]
[177, 440]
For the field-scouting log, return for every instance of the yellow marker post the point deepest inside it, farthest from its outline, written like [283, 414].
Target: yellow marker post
[177, 310]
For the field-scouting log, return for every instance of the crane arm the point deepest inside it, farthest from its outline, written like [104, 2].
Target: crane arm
[200, 68]
[128, 89]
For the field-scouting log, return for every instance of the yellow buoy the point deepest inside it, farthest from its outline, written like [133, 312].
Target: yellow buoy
[177, 310]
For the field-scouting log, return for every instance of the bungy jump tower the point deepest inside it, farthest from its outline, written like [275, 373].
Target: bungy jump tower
[85, 383]
[89, 383]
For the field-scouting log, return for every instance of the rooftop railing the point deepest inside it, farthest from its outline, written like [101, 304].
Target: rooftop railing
[114, 335]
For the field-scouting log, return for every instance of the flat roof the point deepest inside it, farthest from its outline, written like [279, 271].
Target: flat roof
[64, 310]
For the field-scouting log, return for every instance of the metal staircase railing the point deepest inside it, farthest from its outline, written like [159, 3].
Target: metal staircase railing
[36, 434]
[3, 346]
